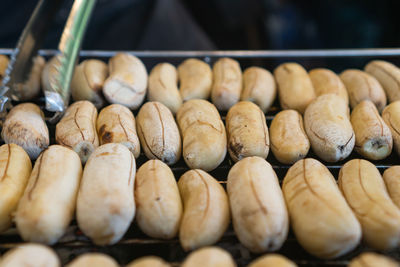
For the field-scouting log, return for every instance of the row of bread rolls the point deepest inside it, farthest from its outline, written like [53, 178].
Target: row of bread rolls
[201, 137]
[329, 220]
[37, 255]
[225, 84]
[125, 81]
[43, 201]
[198, 206]
[199, 209]
[41, 256]
[297, 88]
[109, 192]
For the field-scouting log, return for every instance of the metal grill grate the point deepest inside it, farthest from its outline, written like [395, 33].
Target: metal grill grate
[135, 244]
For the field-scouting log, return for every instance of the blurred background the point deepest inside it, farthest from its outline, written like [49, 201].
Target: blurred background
[220, 24]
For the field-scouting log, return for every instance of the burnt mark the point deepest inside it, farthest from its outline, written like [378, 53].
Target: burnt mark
[84, 151]
[102, 129]
[236, 148]
[342, 147]
[107, 137]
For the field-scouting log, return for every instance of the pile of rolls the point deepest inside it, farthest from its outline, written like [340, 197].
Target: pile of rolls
[91, 172]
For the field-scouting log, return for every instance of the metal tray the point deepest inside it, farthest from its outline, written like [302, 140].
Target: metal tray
[135, 244]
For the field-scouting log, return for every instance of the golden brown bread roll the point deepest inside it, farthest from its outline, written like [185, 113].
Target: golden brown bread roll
[362, 86]
[127, 82]
[206, 213]
[363, 187]
[373, 137]
[203, 134]
[116, 124]
[289, 141]
[247, 131]
[326, 81]
[159, 205]
[259, 87]
[259, 214]
[327, 124]
[163, 86]
[77, 129]
[48, 204]
[227, 83]
[159, 133]
[322, 221]
[195, 77]
[294, 86]
[88, 80]
[388, 76]
[16, 168]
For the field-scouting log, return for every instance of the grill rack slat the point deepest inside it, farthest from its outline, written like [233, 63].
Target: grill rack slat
[135, 243]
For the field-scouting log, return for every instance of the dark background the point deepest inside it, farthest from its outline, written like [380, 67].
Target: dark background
[221, 24]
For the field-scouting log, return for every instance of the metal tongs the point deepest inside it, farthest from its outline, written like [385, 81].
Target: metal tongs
[31, 39]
